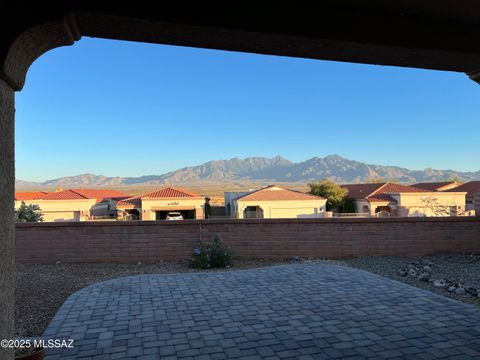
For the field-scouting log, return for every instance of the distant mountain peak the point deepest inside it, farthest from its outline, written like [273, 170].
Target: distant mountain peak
[334, 157]
[271, 170]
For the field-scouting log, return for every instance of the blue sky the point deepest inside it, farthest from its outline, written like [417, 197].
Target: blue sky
[128, 109]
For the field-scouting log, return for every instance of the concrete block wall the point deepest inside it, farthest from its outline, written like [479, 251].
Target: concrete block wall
[334, 238]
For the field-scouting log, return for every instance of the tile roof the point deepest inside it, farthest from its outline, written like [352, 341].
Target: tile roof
[381, 198]
[378, 192]
[165, 193]
[64, 195]
[436, 186]
[29, 195]
[361, 191]
[470, 188]
[274, 193]
[101, 194]
[170, 192]
[72, 194]
[397, 188]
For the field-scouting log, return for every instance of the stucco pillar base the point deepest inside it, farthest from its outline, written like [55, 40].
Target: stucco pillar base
[7, 226]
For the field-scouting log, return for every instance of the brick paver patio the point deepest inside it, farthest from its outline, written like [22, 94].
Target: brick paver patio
[300, 311]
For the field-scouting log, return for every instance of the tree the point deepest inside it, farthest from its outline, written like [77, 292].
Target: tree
[28, 213]
[331, 191]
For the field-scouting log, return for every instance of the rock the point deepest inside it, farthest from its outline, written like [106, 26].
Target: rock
[412, 272]
[424, 276]
[460, 291]
[296, 258]
[139, 263]
[439, 283]
[402, 273]
[427, 268]
[472, 291]
[451, 289]
[58, 262]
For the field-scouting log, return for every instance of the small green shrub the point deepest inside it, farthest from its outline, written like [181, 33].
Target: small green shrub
[211, 255]
[28, 213]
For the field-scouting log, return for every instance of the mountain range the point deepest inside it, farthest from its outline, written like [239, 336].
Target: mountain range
[277, 169]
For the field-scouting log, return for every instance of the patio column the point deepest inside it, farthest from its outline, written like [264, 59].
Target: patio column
[7, 226]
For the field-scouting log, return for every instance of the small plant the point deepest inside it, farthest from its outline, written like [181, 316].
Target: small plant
[211, 255]
[28, 213]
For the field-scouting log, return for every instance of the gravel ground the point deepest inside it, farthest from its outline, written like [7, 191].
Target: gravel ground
[459, 269]
[42, 289]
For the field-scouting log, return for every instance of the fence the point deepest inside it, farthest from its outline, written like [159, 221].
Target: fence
[132, 241]
[354, 215]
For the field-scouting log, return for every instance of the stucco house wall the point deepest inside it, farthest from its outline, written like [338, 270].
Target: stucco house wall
[285, 208]
[431, 203]
[62, 210]
[150, 206]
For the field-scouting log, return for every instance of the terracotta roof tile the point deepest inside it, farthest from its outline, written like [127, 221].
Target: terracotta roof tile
[436, 186]
[101, 194]
[29, 195]
[64, 195]
[397, 188]
[361, 191]
[378, 192]
[169, 192]
[381, 198]
[470, 188]
[274, 193]
[165, 193]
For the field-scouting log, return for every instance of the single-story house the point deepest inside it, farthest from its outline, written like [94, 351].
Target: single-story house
[471, 188]
[70, 205]
[106, 201]
[388, 199]
[275, 202]
[156, 205]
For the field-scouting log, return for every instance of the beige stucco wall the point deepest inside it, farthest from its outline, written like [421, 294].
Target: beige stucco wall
[372, 206]
[363, 206]
[449, 186]
[149, 206]
[430, 203]
[63, 210]
[285, 208]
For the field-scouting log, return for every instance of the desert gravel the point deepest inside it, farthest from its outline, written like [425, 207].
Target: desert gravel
[458, 268]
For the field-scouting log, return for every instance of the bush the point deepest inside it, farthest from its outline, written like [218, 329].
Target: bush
[331, 191]
[211, 255]
[28, 213]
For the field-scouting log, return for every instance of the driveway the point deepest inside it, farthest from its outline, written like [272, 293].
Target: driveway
[313, 310]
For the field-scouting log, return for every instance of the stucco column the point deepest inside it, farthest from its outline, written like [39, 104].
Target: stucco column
[199, 213]
[7, 226]
[146, 215]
